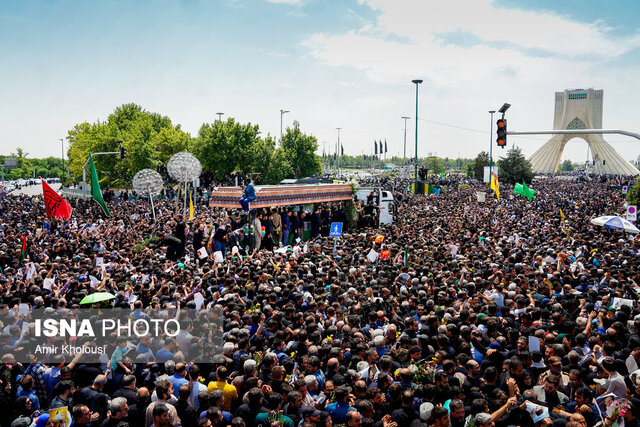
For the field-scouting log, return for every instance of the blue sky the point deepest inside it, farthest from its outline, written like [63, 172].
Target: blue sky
[331, 63]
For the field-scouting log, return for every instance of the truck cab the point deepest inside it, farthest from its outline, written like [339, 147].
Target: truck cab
[383, 199]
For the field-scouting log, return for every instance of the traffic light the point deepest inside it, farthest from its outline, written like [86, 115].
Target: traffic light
[502, 133]
[122, 152]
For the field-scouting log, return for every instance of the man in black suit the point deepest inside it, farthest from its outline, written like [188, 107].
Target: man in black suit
[128, 390]
[137, 412]
[94, 398]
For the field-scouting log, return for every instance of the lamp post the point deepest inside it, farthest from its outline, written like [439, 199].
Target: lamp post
[338, 151]
[405, 118]
[491, 145]
[282, 113]
[416, 82]
[220, 116]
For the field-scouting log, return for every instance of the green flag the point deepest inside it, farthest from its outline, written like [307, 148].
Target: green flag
[531, 194]
[95, 188]
[524, 190]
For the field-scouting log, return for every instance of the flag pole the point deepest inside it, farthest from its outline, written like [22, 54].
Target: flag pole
[185, 199]
[153, 209]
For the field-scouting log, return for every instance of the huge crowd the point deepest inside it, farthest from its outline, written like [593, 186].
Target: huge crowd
[458, 313]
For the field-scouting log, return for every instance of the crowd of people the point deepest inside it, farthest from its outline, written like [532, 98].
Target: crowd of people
[459, 313]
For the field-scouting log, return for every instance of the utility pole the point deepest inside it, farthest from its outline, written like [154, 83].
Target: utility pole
[404, 153]
[490, 145]
[338, 151]
[417, 83]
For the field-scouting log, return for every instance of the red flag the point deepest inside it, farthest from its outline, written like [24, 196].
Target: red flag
[24, 248]
[56, 206]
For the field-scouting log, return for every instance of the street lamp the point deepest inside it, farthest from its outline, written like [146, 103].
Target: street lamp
[220, 116]
[338, 152]
[416, 82]
[491, 145]
[282, 113]
[404, 156]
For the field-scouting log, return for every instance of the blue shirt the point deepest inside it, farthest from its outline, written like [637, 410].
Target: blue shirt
[177, 381]
[249, 192]
[321, 379]
[163, 355]
[51, 377]
[117, 357]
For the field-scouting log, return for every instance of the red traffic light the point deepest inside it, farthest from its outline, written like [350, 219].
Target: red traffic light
[501, 133]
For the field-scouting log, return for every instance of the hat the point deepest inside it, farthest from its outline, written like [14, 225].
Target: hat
[425, 411]
[310, 411]
[495, 345]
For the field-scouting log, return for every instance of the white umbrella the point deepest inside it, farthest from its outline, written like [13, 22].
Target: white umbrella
[615, 223]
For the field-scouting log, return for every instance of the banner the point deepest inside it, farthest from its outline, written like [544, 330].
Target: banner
[56, 206]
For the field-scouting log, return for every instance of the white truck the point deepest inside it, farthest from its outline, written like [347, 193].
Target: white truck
[381, 198]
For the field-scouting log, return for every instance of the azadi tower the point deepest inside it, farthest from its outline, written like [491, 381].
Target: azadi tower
[580, 109]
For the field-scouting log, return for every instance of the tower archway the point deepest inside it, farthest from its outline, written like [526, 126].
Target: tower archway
[580, 109]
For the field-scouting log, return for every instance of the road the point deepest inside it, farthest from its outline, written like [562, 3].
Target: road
[34, 190]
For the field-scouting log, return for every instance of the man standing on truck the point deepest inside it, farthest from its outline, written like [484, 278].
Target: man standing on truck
[248, 195]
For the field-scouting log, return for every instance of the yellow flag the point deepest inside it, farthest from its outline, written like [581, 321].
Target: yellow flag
[495, 185]
[561, 214]
[190, 209]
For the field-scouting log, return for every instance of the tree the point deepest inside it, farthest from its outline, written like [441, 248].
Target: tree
[567, 166]
[270, 162]
[633, 196]
[515, 167]
[226, 147]
[434, 165]
[148, 138]
[299, 150]
[479, 163]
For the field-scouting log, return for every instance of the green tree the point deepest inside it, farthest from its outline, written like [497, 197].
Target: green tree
[49, 167]
[567, 166]
[270, 162]
[515, 167]
[148, 138]
[434, 164]
[299, 150]
[226, 147]
[633, 196]
[478, 165]
[279, 168]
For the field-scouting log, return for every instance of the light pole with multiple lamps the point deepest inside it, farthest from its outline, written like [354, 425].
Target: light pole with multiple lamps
[338, 153]
[282, 113]
[220, 116]
[405, 118]
[415, 190]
